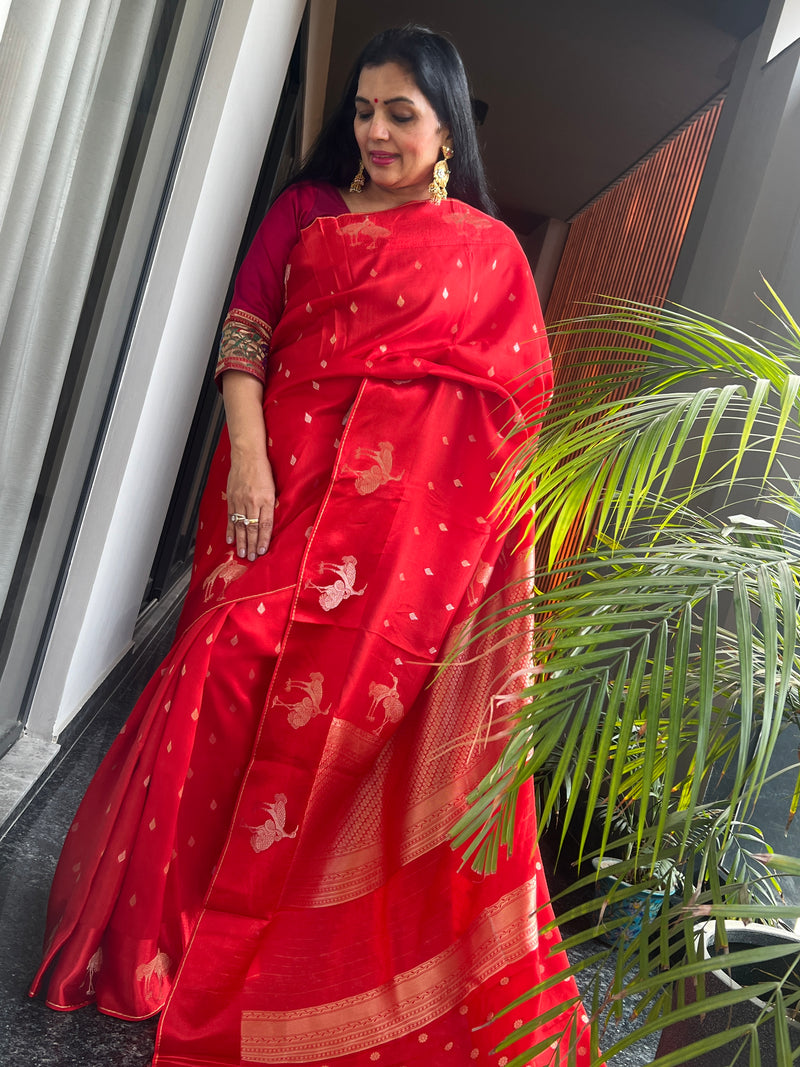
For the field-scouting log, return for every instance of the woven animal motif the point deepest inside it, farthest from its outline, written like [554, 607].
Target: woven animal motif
[92, 967]
[227, 571]
[156, 970]
[365, 230]
[387, 697]
[479, 583]
[302, 711]
[367, 481]
[331, 596]
[274, 826]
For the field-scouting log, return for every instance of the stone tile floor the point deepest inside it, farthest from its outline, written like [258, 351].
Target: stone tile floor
[31, 1035]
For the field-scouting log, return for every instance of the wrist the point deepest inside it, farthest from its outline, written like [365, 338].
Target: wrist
[244, 450]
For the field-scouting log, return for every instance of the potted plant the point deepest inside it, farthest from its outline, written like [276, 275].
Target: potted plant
[675, 619]
[632, 881]
[752, 957]
[634, 878]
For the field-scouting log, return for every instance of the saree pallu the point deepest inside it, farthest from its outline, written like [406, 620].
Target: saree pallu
[265, 849]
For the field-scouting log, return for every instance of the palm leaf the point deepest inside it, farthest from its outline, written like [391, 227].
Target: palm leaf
[666, 648]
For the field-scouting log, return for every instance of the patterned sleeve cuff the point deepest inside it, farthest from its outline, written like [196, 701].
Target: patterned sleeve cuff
[244, 345]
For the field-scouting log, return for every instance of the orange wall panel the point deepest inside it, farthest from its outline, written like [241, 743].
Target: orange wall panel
[625, 244]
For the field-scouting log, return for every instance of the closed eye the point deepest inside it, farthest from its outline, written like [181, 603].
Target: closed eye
[365, 116]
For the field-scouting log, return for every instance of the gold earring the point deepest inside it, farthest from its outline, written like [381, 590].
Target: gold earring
[357, 184]
[441, 175]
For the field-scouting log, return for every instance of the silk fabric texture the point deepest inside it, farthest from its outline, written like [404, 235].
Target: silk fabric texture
[266, 846]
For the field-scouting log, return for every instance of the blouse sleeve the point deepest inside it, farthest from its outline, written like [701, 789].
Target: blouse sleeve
[258, 294]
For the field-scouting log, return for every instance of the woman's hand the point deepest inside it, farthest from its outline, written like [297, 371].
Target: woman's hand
[251, 487]
[251, 492]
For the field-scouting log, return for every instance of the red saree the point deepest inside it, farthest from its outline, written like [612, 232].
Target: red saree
[265, 848]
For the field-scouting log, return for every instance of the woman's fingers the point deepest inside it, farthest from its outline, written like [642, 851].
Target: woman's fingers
[255, 546]
[241, 538]
[264, 530]
[253, 536]
[251, 506]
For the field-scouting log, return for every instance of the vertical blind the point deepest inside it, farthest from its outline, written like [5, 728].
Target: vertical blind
[69, 73]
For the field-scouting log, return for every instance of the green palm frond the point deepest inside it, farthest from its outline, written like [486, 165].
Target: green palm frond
[613, 635]
[622, 455]
[666, 650]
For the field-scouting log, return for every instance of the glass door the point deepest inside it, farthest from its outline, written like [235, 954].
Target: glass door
[96, 102]
[177, 538]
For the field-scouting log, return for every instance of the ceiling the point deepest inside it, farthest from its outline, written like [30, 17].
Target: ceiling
[578, 90]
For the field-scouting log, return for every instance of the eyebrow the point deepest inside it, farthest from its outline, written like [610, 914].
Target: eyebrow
[393, 100]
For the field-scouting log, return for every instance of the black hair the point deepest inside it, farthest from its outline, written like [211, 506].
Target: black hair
[439, 73]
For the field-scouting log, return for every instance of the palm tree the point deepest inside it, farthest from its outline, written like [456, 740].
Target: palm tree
[668, 661]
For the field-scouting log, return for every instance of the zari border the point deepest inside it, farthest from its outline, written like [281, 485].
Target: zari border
[354, 864]
[361, 871]
[502, 935]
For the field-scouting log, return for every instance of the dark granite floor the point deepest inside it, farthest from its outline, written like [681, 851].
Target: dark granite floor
[30, 1033]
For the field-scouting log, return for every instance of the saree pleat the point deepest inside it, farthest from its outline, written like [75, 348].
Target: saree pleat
[274, 862]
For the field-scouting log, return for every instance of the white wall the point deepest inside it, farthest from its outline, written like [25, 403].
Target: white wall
[322, 14]
[169, 349]
[5, 6]
[747, 216]
[788, 29]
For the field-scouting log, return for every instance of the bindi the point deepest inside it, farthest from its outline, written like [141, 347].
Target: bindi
[375, 101]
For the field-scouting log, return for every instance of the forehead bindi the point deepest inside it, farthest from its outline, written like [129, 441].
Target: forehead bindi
[388, 84]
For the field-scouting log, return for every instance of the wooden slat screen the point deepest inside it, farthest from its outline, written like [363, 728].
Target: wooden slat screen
[626, 244]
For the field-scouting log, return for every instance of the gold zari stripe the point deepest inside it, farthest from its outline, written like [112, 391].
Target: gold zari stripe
[502, 935]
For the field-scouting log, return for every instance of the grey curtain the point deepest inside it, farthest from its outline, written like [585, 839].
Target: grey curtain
[69, 71]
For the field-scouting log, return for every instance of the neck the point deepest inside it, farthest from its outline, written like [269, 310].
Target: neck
[372, 198]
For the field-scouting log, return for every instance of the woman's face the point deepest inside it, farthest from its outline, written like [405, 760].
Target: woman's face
[397, 131]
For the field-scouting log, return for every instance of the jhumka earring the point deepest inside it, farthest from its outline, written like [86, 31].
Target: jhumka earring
[441, 175]
[357, 184]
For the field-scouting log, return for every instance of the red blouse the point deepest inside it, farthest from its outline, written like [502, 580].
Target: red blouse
[259, 292]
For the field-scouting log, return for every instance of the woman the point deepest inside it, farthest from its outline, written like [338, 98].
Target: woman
[265, 849]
